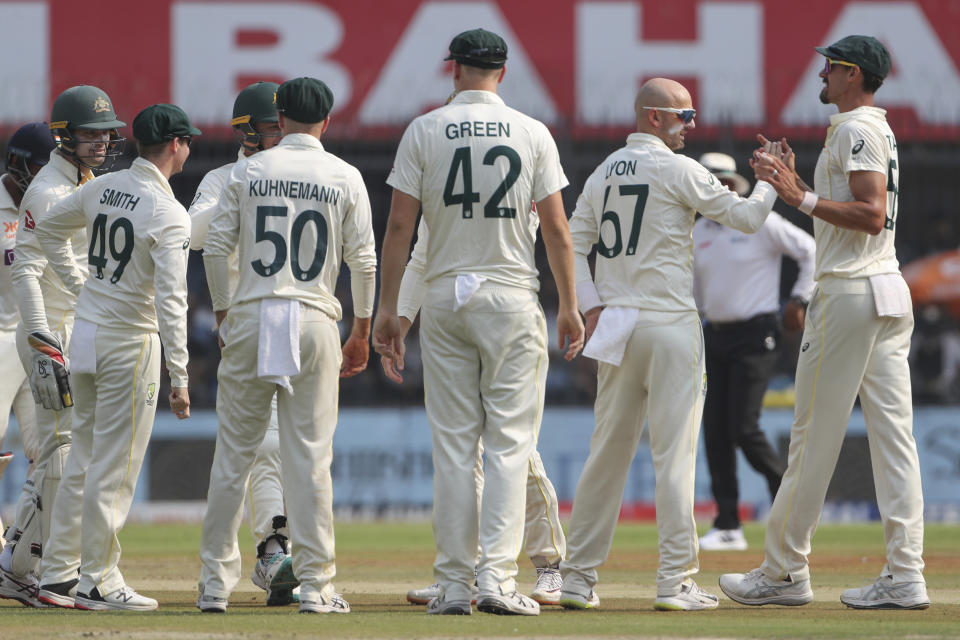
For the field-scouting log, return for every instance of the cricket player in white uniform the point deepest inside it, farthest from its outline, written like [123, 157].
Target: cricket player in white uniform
[474, 166]
[855, 343]
[135, 283]
[544, 541]
[291, 213]
[83, 119]
[27, 152]
[255, 121]
[638, 207]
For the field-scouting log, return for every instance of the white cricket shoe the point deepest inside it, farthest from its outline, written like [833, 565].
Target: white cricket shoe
[571, 600]
[209, 603]
[690, 598]
[755, 588]
[60, 594]
[443, 607]
[884, 593]
[548, 587]
[24, 590]
[122, 599]
[426, 594]
[724, 540]
[316, 603]
[507, 604]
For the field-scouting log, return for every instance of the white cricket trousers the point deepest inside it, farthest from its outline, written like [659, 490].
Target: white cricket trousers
[485, 368]
[265, 486]
[662, 378]
[114, 413]
[543, 538]
[307, 420]
[847, 350]
[15, 394]
[32, 517]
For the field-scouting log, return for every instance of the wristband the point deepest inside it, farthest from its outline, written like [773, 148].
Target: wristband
[808, 203]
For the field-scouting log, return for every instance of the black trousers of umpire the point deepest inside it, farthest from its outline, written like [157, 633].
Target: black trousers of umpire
[740, 359]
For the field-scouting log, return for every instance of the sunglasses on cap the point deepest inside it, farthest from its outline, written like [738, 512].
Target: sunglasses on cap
[686, 115]
[830, 62]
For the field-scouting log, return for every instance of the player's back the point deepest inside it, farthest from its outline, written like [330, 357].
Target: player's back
[645, 249]
[301, 210]
[476, 165]
[131, 217]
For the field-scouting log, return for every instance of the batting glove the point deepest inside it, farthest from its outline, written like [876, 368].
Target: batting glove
[50, 374]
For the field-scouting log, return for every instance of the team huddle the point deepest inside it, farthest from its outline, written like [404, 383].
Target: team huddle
[274, 228]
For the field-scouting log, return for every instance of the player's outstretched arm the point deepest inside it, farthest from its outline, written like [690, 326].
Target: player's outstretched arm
[356, 350]
[556, 237]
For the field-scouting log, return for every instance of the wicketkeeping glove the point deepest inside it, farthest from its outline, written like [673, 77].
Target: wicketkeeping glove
[50, 374]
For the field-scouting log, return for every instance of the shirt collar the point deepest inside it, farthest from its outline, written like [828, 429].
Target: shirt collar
[66, 167]
[301, 140]
[476, 96]
[148, 170]
[859, 112]
[646, 138]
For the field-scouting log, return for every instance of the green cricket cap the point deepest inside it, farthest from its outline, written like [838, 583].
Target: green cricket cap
[478, 48]
[866, 52]
[161, 122]
[305, 100]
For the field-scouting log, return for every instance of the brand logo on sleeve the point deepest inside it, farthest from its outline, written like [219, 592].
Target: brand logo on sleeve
[8, 257]
[28, 222]
[186, 243]
[857, 147]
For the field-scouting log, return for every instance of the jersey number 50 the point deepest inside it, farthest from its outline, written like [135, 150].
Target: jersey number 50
[280, 243]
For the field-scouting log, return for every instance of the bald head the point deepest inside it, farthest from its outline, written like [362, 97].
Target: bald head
[661, 92]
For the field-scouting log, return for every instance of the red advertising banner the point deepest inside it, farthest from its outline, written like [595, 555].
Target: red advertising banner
[576, 65]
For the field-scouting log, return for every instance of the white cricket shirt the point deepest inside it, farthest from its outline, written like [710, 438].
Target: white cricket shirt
[9, 215]
[737, 275]
[40, 293]
[639, 207]
[136, 268]
[857, 140]
[475, 165]
[292, 213]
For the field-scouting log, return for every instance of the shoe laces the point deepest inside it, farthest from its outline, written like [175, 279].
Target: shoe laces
[549, 578]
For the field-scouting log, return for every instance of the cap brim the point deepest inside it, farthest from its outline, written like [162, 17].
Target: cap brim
[195, 132]
[822, 51]
[100, 126]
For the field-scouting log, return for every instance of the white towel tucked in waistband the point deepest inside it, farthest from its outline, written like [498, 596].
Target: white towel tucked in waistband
[891, 295]
[609, 339]
[465, 286]
[83, 347]
[278, 354]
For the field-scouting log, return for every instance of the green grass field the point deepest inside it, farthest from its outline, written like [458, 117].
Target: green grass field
[378, 562]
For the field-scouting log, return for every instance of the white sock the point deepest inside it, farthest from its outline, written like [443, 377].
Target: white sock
[273, 546]
[6, 558]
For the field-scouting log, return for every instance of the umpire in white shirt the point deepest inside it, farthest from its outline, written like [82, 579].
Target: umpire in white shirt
[737, 287]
